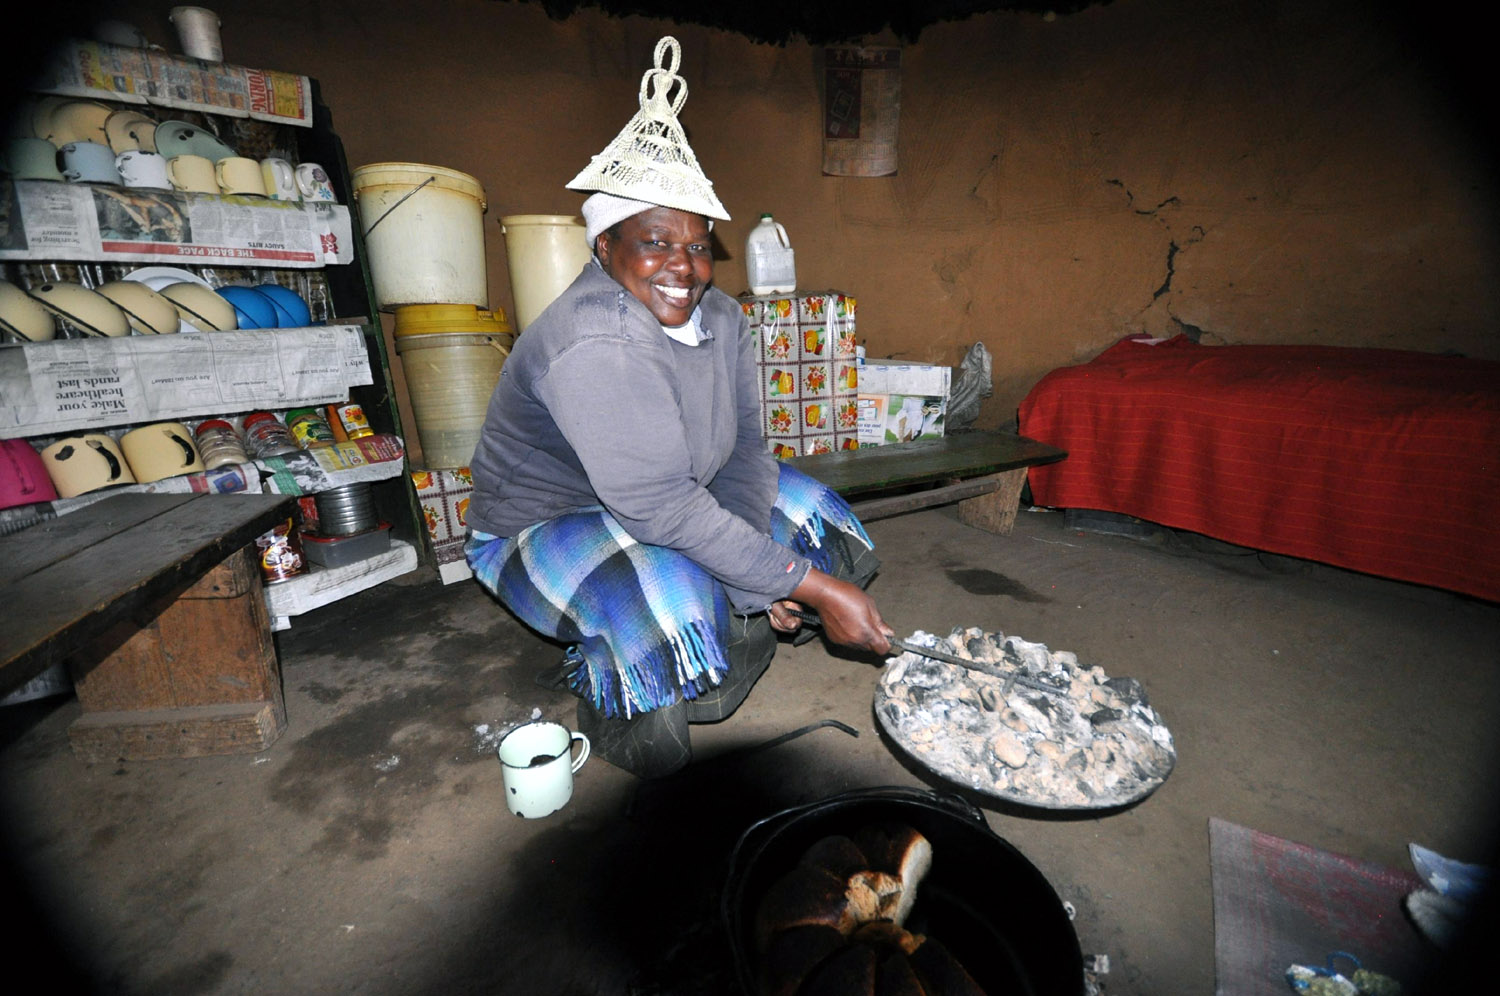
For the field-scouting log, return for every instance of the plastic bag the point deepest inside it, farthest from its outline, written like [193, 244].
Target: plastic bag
[971, 386]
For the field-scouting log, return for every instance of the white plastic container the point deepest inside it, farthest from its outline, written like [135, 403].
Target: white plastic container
[545, 252]
[424, 231]
[770, 264]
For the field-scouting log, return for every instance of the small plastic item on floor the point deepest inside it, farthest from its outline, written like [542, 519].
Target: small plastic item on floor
[1329, 980]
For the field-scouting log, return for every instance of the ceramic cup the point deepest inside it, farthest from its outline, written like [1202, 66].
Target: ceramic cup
[537, 763]
[312, 181]
[193, 173]
[198, 32]
[280, 180]
[238, 175]
[89, 162]
[32, 159]
[139, 168]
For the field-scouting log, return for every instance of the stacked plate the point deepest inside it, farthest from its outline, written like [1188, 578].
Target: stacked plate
[347, 510]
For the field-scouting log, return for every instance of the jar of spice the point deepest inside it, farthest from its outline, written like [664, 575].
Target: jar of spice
[219, 444]
[267, 437]
[309, 428]
[352, 417]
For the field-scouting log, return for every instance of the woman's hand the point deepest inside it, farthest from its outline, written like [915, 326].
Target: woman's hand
[849, 616]
[782, 620]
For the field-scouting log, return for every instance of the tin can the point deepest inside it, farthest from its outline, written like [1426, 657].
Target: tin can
[352, 417]
[280, 551]
[309, 428]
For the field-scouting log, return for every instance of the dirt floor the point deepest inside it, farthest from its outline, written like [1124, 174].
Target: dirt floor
[369, 850]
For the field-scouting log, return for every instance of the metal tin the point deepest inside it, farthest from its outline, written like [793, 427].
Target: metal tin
[280, 550]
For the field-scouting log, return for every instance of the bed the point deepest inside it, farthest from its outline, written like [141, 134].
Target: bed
[1377, 460]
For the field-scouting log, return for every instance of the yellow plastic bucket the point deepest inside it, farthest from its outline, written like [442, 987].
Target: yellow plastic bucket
[424, 234]
[545, 253]
[450, 377]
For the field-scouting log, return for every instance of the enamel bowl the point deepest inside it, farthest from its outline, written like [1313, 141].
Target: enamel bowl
[149, 313]
[87, 310]
[201, 307]
[23, 317]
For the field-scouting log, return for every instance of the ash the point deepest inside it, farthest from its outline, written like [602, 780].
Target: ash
[1030, 725]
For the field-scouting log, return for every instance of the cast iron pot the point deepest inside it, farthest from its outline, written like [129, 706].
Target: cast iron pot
[983, 899]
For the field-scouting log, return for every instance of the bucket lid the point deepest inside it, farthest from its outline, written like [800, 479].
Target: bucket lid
[427, 319]
[519, 220]
[411, 174]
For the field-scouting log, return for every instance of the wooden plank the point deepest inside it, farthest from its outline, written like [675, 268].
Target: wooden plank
[965, 455]
[884, 508]
[55, 540]
[199, 731]
[54, 611]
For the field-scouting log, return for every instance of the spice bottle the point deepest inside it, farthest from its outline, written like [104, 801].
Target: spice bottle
[267, 437]
[352, 417]
[219, 444]
[309, 428]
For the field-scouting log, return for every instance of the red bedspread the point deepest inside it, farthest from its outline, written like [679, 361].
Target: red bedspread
[1382, 461]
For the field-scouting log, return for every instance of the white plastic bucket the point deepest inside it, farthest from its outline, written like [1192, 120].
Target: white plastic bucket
[424, 232]
[546, 251]
[450, 377]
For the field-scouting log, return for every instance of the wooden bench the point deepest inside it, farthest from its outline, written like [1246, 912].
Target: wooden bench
[156, 605]
[982, 471]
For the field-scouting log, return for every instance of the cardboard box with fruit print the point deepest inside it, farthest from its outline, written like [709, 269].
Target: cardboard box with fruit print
[444, 496]
[805, 351]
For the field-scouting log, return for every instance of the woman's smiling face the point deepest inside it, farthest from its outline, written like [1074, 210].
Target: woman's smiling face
[662, 257]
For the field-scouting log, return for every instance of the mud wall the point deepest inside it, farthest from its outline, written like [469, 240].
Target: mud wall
[1237, 170]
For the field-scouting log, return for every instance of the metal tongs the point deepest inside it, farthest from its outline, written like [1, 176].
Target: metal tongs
[1011, 677]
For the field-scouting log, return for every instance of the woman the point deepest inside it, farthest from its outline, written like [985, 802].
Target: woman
[625, 500]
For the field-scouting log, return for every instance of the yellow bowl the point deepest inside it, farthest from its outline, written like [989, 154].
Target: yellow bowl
[201, 307]
[148, 311]
[23, 317]
[87, 310]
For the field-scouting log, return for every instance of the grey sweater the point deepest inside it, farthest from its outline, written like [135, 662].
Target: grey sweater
[596, 405]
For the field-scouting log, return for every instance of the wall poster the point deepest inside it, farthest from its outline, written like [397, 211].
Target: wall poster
[861, 107]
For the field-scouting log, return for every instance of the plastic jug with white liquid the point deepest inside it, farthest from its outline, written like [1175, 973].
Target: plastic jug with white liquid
[770, 264]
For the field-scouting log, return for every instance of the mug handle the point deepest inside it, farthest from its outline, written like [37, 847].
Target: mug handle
[583, 755]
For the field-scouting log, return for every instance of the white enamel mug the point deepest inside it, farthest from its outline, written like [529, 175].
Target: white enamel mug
[139, 168]
[313, 181]
[280, 180]
[537, 762]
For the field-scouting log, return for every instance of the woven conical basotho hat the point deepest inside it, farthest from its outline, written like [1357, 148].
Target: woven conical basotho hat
[650, 159]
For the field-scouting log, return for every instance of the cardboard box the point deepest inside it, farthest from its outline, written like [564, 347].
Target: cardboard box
[805, 352]
[901, 402]
[444, 496]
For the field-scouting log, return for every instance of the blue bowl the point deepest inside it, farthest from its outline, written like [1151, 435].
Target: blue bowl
[252, 308]
[291, 311]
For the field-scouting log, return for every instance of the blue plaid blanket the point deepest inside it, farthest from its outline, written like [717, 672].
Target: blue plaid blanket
[645, 623]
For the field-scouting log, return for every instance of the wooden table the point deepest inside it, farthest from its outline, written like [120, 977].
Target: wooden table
[155, 603]
[982, 471]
